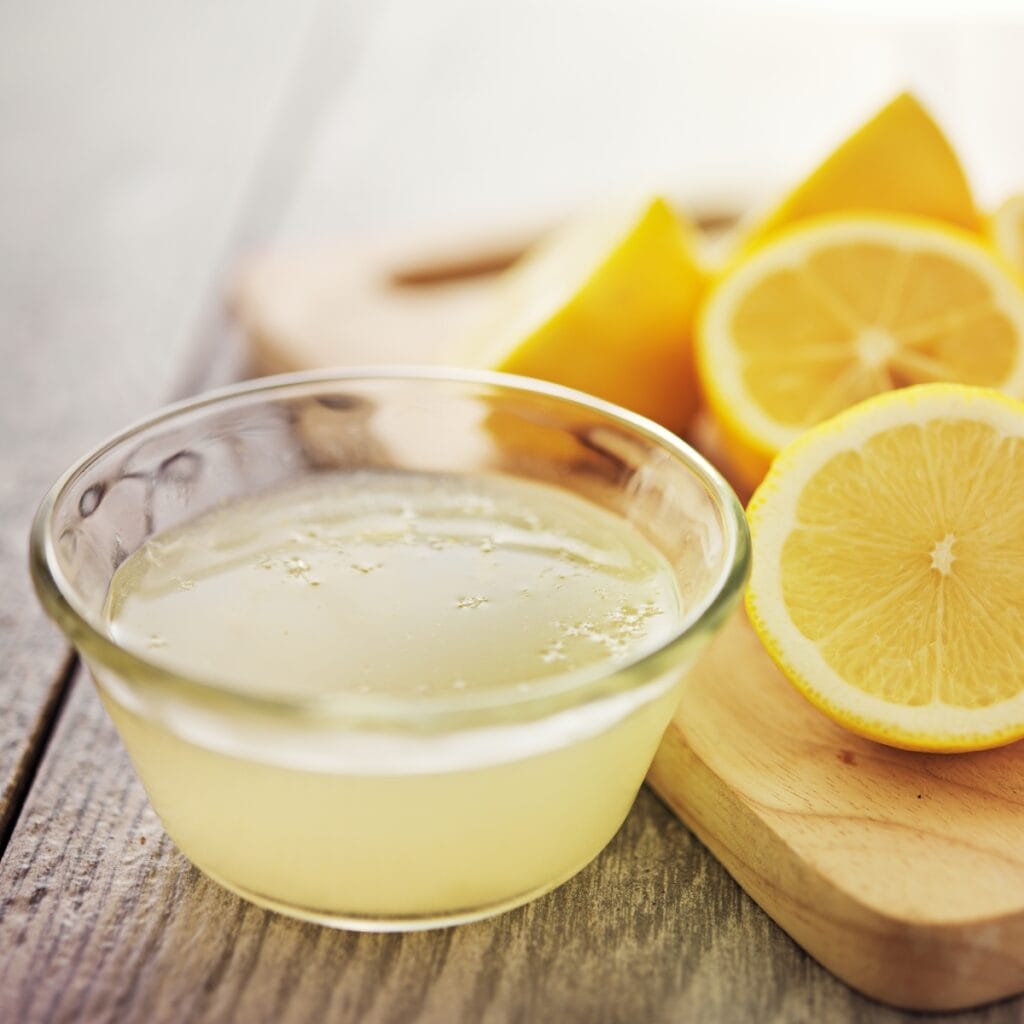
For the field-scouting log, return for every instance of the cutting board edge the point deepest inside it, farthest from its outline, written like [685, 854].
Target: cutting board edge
[866, 949]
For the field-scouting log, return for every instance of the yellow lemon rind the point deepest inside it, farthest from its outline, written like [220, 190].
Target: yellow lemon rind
[898, 161]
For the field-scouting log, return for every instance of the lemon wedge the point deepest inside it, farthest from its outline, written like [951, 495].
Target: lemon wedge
[899, 161]
[836, 309]
[888, 578]
[605, 305]
[1007, 230]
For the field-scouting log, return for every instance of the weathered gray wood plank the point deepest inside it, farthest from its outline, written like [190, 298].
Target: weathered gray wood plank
[103, 920]
[128, 134]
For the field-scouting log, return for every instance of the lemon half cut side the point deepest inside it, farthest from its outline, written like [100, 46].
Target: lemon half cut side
[837, 309]
[888, 576]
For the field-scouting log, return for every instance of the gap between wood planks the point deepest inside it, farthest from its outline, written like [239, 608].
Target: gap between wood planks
[36, 750]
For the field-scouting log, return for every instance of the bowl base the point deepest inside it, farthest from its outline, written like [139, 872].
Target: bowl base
[390, 922]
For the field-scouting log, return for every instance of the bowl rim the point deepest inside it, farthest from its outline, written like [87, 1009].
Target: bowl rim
[498, 705]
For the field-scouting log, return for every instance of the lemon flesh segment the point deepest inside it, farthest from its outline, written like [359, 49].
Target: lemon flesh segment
[842, 308]
[888, 579]
[899, 161]
[605, 305]
[1006, 229]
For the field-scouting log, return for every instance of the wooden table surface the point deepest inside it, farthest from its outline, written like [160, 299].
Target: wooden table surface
[144, 148]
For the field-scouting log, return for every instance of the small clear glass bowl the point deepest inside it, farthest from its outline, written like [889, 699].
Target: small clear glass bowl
[361, 811]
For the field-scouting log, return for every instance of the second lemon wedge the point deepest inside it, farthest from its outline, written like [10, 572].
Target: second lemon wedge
[605, 305]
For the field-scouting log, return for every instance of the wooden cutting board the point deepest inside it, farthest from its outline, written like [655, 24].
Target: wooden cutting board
[902, 873]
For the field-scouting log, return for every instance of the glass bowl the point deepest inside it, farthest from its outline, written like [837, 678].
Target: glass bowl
[367, 810]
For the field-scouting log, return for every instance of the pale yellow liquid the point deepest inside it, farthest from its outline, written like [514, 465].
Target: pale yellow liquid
[422, 589]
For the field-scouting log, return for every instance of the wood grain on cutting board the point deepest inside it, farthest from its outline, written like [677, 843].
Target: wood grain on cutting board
[903, 873]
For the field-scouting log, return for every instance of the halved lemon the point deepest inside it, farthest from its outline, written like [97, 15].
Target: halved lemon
[1007, 230]
[606, 305]
[888, 579]
[898, 161]
[840, 308]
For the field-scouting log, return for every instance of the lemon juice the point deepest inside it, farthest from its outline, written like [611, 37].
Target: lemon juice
[422, 637]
